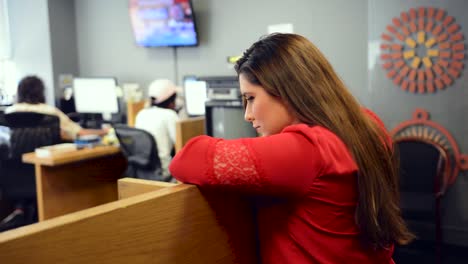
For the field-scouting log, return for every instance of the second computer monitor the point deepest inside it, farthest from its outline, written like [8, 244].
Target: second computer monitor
[95, 95]
[195, 96]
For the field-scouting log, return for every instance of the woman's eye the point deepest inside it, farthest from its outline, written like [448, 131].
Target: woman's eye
[249, 98]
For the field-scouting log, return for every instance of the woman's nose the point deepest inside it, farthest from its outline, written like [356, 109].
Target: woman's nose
[248, 116]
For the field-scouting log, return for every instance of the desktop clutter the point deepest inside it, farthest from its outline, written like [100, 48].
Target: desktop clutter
[89, 141]
[85, 141]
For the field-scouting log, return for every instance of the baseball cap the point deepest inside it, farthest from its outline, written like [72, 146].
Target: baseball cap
[162, 89]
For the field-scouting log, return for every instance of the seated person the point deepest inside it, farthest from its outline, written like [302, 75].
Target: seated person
[31, 98]
[160, 119]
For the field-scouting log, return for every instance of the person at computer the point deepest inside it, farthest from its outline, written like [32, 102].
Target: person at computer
[159, 119]
[323, 170]
[31, 98]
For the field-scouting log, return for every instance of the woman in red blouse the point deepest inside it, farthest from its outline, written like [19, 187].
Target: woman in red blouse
[324, 162]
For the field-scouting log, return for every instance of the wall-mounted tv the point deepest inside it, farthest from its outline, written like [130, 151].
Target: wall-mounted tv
[163, 23]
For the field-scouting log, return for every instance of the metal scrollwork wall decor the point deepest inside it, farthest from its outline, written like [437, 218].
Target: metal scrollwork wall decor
[423, 50]
[422, 127]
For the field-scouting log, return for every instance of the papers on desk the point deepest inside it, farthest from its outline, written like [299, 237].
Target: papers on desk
[48, 151]
[88, 141]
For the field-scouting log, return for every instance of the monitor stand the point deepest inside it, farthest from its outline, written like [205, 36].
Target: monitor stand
[93, 121]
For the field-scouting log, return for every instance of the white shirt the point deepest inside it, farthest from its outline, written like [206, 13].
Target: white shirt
[66, 124]
[161, 123]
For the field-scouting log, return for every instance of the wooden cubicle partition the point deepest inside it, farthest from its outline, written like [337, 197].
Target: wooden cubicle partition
[187, 129]
[128, 187]
[76, 180]
[132, 110]
[173, 224]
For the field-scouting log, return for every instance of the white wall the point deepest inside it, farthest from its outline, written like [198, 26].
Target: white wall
[63, 41]
[30, 41]
[106, 45]
[4, 31]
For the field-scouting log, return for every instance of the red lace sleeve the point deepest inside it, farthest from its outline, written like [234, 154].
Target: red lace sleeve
[282, 164]
[234, 165]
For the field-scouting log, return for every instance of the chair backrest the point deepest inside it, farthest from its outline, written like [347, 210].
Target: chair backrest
[422, 166]
[2, 118]
[139, 146]
[28, 131]
[31, 130]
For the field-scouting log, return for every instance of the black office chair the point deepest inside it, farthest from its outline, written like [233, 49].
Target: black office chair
[4, 138]
[141, 151]
[423, 165]
[2, 118]
[28, 131]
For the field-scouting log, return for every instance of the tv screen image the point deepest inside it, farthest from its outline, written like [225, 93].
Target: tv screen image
[163, 23]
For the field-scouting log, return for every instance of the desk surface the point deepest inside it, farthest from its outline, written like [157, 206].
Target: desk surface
[73, 156]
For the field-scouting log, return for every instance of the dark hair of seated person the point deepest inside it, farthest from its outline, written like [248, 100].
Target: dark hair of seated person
[169, 103]
[31, 90]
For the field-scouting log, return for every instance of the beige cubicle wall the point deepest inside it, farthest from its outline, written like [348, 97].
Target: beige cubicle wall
[188, 128]
[132, 110]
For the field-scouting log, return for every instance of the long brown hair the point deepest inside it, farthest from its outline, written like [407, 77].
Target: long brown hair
[290, 67]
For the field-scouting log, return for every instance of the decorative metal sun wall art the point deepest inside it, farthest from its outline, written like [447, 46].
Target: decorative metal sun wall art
[421, 127]
[423, 50]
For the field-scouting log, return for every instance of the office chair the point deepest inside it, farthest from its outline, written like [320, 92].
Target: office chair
[141, 151]
[4, 137]
[423, 182]
[28, 131]
[2, 118]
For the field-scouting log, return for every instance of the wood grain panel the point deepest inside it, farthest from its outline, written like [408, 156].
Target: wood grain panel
[174, 225]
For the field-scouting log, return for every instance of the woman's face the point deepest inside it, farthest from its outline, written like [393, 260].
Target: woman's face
[268, 114]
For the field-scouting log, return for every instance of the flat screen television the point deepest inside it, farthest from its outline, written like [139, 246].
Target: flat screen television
[163, 23]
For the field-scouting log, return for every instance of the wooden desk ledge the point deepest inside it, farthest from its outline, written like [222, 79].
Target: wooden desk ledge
[129, 187]
[73, 156]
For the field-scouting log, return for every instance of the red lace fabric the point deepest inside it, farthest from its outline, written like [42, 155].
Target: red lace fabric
[234, 165]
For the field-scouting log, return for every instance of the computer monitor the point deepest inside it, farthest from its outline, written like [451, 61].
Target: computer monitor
[225, 119]
[195, 96]
[95, 100]
[95, 95]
